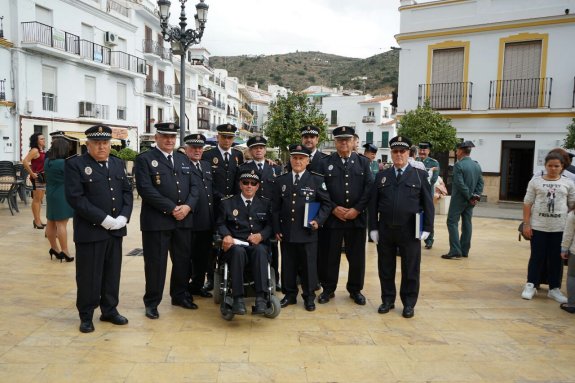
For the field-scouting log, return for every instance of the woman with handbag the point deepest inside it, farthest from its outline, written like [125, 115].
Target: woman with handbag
[545, 207]
[34, 165]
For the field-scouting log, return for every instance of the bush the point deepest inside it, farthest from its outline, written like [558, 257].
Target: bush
[127, 154]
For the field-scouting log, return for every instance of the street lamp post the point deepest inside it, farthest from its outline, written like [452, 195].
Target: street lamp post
[180, 39]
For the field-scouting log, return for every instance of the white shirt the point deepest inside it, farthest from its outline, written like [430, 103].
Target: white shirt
[416, 164]
[222, 151]
[294, 174]
[246, 199]
[166, 154]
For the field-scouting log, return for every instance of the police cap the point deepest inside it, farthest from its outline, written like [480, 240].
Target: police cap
[343, 132]
[400, 142]
[195, 139]
[369, 147]
[257, 141]
[167, 128]
[309, 130]
[99, 133]
[227, 129]
[248, 174]
[299, 149]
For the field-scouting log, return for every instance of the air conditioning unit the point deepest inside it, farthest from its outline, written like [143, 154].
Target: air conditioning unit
[111, 38]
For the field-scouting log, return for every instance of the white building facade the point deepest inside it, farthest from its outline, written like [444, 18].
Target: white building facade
[501, 70]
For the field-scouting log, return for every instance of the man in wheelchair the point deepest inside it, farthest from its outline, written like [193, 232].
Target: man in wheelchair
[244, 223]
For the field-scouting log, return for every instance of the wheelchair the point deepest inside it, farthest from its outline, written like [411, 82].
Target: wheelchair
[222, 292]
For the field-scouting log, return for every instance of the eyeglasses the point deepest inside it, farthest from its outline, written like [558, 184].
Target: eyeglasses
[252, 183]
[395, 151]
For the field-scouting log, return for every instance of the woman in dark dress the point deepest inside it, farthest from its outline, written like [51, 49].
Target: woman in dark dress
[34, 165]
[57, 209]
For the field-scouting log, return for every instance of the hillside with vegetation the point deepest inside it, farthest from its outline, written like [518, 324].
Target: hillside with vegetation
[297, 71]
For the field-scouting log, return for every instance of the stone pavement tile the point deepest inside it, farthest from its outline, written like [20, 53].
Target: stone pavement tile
[126, 353]
[534, 371]
[435, 371]
[351, 371]
[375, 354]
[341, 337]
[288, 354]
[45, 354]
[84, 372]
[208, 353]
[256, 337]
[20, 372]
[406, 336]
[173, 372]
[261, 372]
[443, 352]
[477, 337]
[189, 338]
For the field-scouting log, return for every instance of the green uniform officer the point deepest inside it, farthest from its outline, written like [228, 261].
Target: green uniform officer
[466, 191]
[430, 164]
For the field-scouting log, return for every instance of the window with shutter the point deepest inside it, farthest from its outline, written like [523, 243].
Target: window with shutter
[520, 86]
[446, 88]
[385, 139]
[48, 88]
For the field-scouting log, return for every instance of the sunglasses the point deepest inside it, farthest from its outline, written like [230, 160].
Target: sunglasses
[253, 183]
[398, 151]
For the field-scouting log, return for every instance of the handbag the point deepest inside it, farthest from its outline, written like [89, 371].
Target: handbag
[520, 229]
[41, 178]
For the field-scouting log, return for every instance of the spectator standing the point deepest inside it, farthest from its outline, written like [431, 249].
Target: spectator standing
[432, 167]
[34, 165]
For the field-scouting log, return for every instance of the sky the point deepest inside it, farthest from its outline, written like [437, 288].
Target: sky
[351, 28]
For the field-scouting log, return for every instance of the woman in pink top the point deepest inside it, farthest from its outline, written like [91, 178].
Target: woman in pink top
[34, 164]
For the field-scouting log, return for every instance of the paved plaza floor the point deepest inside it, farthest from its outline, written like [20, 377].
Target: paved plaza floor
[470, 324]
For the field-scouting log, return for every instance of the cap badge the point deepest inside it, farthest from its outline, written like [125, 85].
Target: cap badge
[100, 129]
[399, 139]
[343, 129]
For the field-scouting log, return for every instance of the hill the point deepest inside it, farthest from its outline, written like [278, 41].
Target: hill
[376, 74]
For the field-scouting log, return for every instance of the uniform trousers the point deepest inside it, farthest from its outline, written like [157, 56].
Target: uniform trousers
[237, 257]
[459, 245]
[392, 238]
[201, 256]
[98, 266]
[546, 252]
[331, 257]
[275, 261]
[299, 258]
[156, 246]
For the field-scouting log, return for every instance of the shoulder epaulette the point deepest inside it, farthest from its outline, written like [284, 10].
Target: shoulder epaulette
[227, 197]
[207, 148]
[239, 150]
[73, 156]
[316, 173]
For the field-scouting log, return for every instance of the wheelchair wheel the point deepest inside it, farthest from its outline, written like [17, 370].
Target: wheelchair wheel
[274, 308]
[273, 281]
[217, 292]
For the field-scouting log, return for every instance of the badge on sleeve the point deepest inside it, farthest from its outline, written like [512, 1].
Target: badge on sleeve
[215, 161]
[158, 179]
[88, 170]
[283, 188]
[323, 187]
[383, 180]
[155, 163]
[235, 212]
[330, 167]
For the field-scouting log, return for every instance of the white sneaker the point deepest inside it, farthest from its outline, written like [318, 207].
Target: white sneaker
[529, 291]
[557, 295]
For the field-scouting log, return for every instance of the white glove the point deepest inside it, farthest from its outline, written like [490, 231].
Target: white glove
[374, 235]
[121, 221]
[424, 235]
[108, 222]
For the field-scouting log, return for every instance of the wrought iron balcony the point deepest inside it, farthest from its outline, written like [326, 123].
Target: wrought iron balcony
[154, 86]
[368, 119]
[155, 48]
[92, 110]
[114, 6]
[128, 62]
[524, 93]
[446, 96]
[2, 90]
[190, 93]
[94, 52]
[35, 32]
[247, 108]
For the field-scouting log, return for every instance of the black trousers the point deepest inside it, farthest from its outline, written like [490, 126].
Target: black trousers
[390, 239]
[275, 261]
[98, 266]
[546, 255]
[237, 257]
[156, 245]
[331, 258]
[201, 256]
[299, 258]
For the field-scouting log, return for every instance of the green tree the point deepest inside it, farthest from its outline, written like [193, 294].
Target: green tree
[286, 116]
[569, 142]
[425, 124]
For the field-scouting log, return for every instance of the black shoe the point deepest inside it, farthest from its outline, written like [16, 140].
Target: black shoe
[324, 297]
[116, 319]
[209, 285]
[385, 307]
[465, 255]
[309, 303]
[288, 300]
[86, 326]
[202, 293]
[451, 256]
[408, 312]
[152, 312]
[260, 306]
[278, 287]
[186, 303]
[428, 246]
[358, 298]
[239, 306]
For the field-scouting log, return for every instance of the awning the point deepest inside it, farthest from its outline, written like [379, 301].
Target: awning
[82, 137]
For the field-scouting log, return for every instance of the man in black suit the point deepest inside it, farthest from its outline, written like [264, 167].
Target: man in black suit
[100, 194]
[398, 195]
[348, 179]
[203, 217]
[292, 192]
[225, 162]
[169, 198]
[245, 224]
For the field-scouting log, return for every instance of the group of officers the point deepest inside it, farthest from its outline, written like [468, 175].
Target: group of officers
[186, 198]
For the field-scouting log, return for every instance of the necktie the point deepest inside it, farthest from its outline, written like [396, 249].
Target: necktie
[103, 164]
[170, 160]
[198, 167]
[345, 163]
[227, 159]
[399, 171]
[296, 180]
[260, 166]
[248, 204]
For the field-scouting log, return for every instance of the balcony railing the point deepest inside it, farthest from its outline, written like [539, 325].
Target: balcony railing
[232, 113]
[205, 92]
[190, 93]
[49, 102]
[35, 32]
[525, 93]
[446, 96]
[89, 109]
[2, 90]
[203, 124]
[121, 112]
[246, 107]
[126, 61]
[154, 86]
[368, 119]
[94, 52]
[113, 6]
[157, 49]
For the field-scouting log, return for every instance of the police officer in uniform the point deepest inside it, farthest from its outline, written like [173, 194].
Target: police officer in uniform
[310, 139]
[433, 166]
[246, 217]
[225, 162]
[370, 152]
[348, 179]
[99, 192]
[293, 191]
[398, 194]
[466, 191]
[169, 198]
[203, 217]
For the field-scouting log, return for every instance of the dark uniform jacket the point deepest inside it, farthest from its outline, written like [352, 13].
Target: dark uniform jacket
[233, 218]
[351, 191]
[467, 180]
[288, 206]
[94, 192]
[314, 165]
[203, 215]
[224, 179]
[163, 188]
[396, 203]
[267, 177]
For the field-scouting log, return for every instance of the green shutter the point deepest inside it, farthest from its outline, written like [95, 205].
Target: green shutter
[385, 139]
[369, 137]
